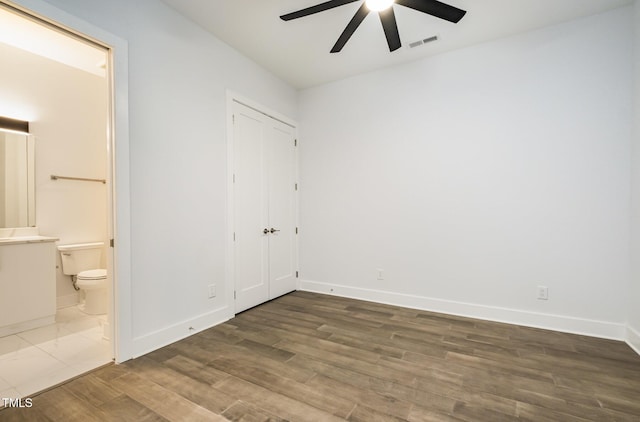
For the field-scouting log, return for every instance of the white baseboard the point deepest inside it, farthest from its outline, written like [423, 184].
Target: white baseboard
[633, 339]
[587, 327]
[8, 330]
[160, 338]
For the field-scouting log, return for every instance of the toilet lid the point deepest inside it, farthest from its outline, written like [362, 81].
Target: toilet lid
[92, 274]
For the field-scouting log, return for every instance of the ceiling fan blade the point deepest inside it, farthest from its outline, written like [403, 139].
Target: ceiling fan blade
[315, 9]
[388, 19]
[435, 8]
[355, 22]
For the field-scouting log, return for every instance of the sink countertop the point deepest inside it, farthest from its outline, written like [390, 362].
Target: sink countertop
[26, 239]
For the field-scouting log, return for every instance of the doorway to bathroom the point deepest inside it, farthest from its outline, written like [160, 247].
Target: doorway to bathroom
[61, 83]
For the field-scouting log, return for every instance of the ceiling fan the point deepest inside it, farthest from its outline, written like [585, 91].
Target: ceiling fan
[387, 17]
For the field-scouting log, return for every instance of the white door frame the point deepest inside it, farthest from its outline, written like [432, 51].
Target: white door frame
[230, 250]
[119, 258]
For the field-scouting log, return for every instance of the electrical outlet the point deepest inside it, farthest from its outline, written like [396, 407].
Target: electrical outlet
[543, 292]
[380, 273]
[212, 290]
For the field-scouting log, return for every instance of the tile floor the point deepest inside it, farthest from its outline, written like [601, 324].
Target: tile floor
[40, 358]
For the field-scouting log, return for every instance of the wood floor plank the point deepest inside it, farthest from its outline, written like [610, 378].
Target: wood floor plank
[365, 414]
[242, 412]
[353, 379]
[199, 349]
[621, 404]
[473, 413]
[272, 402]
[382, 403]
[501, 367]
[329, 370]
[249, 358]
[24, 414]
[60, 404]
[166, 403]
[253, 331]
[365, 344]
[93, 390]
[327, 400]
[195, 391]
[345, 361]
[392, 344]
[124, 409]
[270, 352]
[195, 370]
[312, 357]
[430, 346]
[295, 341]
[533, 413]
[425, 414]
[275, 320]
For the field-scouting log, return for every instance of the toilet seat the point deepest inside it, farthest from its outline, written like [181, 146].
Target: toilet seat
[92, 279]
[98, 274]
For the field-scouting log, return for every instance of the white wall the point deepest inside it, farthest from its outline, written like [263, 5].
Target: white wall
[472, 177]
[67, 110]
[634, 296]
[178, 77]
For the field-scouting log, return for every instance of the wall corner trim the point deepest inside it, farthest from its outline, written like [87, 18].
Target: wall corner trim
[633, 339]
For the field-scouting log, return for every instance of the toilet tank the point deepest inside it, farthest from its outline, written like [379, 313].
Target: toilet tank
[80, 257]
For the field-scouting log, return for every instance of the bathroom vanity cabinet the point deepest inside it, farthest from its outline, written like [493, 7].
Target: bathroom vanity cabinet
[27, 283]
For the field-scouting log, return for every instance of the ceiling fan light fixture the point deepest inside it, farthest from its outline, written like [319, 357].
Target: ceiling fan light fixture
[379, 5]
[387, 16]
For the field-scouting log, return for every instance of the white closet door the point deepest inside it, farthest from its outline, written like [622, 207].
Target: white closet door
[282, 243]
[250, 206]
[264, 208]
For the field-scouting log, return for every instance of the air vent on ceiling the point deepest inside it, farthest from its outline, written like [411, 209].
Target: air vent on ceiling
[422, 42]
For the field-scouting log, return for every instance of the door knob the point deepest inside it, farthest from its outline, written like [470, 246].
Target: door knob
[265, 231]
[273, 230]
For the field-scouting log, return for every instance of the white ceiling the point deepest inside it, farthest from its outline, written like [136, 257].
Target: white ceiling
[298, 51]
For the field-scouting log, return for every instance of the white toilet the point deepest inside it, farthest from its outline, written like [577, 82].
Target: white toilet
[83, 261]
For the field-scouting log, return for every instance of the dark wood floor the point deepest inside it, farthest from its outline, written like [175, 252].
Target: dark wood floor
[309, 357]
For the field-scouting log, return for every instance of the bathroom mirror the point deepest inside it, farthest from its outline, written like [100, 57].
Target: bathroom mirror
[17, 180]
